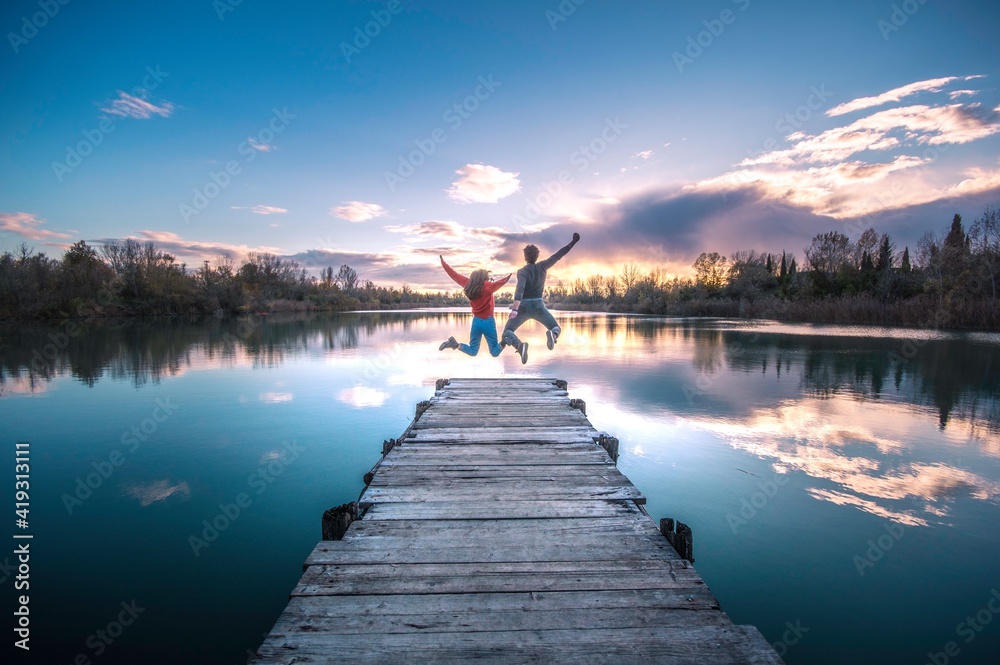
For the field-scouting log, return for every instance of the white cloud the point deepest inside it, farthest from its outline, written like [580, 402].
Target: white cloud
[955, 94]
[609, 201]
[897, 94]
[358, 211]
[128, 106]
[261, 147]
[431, 228]
[645, 154]
[481, 183]
[838, 190]
[196, 251]
[261, 209]
[883, 161]
[25, 224]
[449, 230]
[885, 130]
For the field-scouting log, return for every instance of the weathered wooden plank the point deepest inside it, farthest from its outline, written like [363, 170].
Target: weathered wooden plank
[685, 614]
[474, 439]
[696, 598]
[510, 397]
[427, 441]
[498, 510]
[509, 421]
[506, 572]
[534, 418]
[719, 645]
[502, 389]
[570, 434]
[451, 578]
[524, 414]
[633, 549]
[480, 382]
[407, 475]
[603, 477]
[525, 454]
[524, 491]
[434, 530]
[452, 409]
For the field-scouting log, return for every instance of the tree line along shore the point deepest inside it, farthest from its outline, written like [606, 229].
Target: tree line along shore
[950, 280]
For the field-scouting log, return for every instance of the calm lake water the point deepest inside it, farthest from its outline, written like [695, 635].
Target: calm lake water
[843, 484]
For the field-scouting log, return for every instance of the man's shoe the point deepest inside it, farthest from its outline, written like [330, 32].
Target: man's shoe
[551, 338]
[451, 343]
[523, 352]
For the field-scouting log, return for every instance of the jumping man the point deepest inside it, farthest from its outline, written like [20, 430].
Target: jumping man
[528, 302]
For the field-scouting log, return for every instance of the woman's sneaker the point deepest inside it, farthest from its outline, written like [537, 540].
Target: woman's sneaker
[551, 338]
[451, 343]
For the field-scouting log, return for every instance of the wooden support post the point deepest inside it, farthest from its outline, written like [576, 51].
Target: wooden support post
[610, 444]
[682, 540]
[562, 385]
[387, 446]
[441, 383]
[337, 520]
[578, 404]
[421, 407]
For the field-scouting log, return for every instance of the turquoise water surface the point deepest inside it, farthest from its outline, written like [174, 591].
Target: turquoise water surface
[842, 484]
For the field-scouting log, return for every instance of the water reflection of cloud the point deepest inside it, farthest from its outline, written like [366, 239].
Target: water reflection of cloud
[275, 398]
[160, 490]
[24, 386]
[841, 499]
[871, 470]
[361, 397]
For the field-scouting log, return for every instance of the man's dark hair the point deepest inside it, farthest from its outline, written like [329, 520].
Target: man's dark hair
[530, 254]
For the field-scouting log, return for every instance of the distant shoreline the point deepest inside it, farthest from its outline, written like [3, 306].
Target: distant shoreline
[848, 310]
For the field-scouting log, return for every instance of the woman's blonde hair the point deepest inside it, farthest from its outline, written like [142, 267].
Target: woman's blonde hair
[474, 288]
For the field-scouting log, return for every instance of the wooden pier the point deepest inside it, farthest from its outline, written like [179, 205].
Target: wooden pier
[498, 529]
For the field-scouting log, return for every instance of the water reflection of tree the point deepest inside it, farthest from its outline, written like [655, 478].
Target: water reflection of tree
[145, 351]
[955, 376]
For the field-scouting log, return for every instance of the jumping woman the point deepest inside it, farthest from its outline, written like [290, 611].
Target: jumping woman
[479, 290]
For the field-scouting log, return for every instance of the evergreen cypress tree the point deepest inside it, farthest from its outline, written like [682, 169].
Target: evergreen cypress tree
[866, 262]
[884, 261]
[956, 239]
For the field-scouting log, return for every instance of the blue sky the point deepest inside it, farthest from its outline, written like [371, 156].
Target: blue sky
[658, 130]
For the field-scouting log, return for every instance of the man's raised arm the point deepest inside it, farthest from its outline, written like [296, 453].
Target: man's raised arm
[549, 262]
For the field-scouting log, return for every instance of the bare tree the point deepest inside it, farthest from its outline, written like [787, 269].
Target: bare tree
[829, 252]
[711, 270]
[612, 285]
[629, 276]
[985, 240]
[347, 278]
[866, 244]
[748, 274]
[595, 287]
